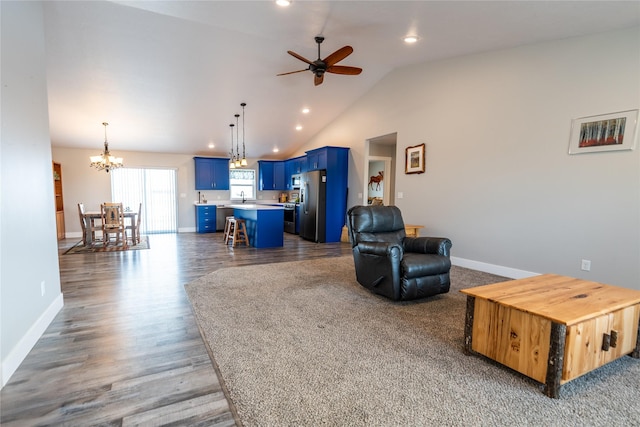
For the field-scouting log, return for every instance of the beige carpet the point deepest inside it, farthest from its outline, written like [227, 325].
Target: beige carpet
[302, 344]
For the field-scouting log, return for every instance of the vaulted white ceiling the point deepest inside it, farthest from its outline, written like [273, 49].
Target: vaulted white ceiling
[169, 76]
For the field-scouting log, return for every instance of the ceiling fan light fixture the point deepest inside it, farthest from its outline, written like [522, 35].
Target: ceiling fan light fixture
[327, 65]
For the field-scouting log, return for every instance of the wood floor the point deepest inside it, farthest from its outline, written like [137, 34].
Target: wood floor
[125, 349]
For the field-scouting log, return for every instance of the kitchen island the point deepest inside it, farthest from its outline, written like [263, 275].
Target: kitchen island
[265, 224]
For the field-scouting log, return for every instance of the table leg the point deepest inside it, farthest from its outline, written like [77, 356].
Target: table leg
[468, 324]
[636, 352]
[556, 360]
[88, 227]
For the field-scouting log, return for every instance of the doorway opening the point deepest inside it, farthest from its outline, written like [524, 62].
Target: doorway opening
[380, 170]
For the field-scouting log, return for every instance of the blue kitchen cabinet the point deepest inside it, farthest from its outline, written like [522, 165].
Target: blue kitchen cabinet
[317, 159]
[336, 162]
[279, 179]
[265, 225]
[294, 166]
[212, 173]
[205, 218]
[272, 175]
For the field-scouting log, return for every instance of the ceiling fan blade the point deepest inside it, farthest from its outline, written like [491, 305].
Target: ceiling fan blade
[318, 79]
[342, 69]
[292, 72]
[338, 55]
[301, 58]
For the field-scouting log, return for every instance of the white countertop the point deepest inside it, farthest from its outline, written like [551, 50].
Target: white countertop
[256, 207]
[229, 203]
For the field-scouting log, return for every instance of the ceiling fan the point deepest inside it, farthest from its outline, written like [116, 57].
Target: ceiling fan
[328, 64]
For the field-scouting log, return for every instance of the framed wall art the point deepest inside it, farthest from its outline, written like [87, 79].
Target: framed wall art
[606, 132]
[414, 162]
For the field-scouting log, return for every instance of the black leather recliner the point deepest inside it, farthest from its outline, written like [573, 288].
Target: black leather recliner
[391, 264]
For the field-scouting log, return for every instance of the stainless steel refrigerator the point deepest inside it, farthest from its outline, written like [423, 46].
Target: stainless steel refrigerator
[313, 198]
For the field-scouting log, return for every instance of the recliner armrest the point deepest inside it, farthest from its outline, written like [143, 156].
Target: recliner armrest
[380, 248]
[427, 245]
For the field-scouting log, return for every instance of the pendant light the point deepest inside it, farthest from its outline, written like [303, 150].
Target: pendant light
[244, 157]
[105, 161]
[232, 163]
[238, 162]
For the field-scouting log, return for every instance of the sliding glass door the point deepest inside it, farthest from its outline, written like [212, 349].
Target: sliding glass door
[155, 189]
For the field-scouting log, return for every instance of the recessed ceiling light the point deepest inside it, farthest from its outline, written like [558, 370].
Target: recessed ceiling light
[411, 39]
[299, 127]
[211, 145]
[305, 111]
[283, 2]
[275, 149]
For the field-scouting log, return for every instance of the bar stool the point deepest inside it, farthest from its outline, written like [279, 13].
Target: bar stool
[227, 225]
[237, 232]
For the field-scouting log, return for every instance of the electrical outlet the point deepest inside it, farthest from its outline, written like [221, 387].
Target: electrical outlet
[42, 288]
[586, 265]
[400, 194]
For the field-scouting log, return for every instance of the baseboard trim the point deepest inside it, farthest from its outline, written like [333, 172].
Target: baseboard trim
[499, 270]
[13, 360]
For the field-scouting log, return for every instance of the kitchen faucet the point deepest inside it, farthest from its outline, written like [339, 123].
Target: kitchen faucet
[242, 194]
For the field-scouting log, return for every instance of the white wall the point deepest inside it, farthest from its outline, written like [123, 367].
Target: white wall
[28, 246]
[498, 180]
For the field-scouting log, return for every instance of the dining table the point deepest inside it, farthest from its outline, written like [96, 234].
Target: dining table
[91, 216]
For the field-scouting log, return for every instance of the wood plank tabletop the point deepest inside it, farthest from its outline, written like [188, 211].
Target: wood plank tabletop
[559, 298]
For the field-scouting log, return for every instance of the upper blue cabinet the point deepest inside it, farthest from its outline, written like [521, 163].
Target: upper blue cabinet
[292, 167]
[272, 175]
[212, 173]
[317, 159]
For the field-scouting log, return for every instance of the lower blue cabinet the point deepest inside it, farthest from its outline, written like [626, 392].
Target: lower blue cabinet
[206, 219]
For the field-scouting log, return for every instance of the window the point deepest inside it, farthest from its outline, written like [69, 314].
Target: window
[156, 189]
[242, 183]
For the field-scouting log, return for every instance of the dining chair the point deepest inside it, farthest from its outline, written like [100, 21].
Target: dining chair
[113, 223]
[135, 239]
[88, 227]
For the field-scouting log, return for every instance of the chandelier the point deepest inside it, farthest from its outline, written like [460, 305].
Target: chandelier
[105, 161]
[232, 163]
[243, 162]
[236, 161]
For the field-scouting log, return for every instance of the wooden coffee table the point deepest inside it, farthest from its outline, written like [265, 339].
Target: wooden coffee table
[552, 328]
